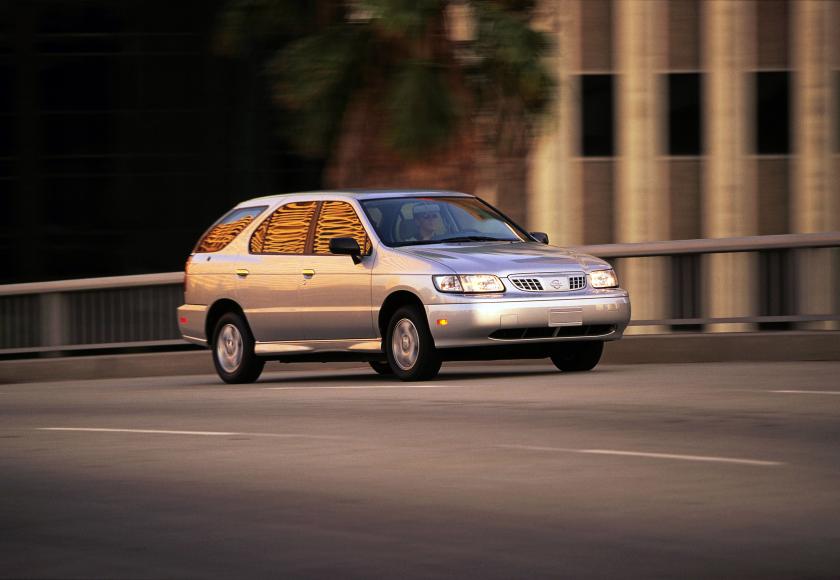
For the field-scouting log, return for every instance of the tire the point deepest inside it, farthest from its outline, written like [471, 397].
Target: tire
[233, 351]
[409, 346]
[577, 356]
[381, 368]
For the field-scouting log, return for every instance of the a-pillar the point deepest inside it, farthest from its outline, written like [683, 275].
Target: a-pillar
[814, 201]
[555, 200]
[729, 194]
[642, 209]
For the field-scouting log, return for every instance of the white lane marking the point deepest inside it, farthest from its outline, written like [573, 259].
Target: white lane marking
[646, 454]
[366, 387]
[807, 392]
[200, 433]
[153, 431]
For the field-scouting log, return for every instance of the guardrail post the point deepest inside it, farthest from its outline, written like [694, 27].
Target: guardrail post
[54, 329]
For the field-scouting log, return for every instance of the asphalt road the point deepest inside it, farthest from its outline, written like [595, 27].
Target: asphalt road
[642, 471]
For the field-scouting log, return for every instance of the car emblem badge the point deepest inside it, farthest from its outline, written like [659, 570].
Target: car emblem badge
[556, 284]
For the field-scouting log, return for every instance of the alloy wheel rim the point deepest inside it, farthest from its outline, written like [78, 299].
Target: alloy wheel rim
[229, 348]
[405, 344]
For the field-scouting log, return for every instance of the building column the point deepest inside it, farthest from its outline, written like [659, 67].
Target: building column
[555, 188]
[642, 209]
[729, 196]
[814, 203]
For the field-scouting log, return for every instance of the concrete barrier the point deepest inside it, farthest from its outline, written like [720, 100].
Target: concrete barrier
[635, 349]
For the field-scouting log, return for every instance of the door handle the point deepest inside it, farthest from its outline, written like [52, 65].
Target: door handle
[308, 273]
[242, 272]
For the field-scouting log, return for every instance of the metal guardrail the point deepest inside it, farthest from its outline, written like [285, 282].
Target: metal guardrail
[775, 248]
[714, 245]
[118, 312]
[124, 312]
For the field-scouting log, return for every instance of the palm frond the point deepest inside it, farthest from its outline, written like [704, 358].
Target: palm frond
[403, 18]
[315, 77]
[421, 109]
[245, 22]
[511, 55]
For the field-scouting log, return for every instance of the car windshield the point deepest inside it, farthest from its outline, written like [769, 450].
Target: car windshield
[408, 221]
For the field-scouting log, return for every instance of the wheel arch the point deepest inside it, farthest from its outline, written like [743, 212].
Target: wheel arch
[392, 303]
[218, 309]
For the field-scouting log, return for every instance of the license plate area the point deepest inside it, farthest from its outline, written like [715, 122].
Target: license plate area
[565, 317]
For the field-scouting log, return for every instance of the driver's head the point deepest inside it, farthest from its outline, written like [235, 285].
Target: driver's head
[426, 212]
[427, 218]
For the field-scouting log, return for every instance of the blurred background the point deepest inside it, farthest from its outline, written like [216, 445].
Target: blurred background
[126, 128]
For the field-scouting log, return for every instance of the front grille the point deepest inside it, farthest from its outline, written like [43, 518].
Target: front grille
[532, 284]
[552, 332]
[549, 282]
[577, 282]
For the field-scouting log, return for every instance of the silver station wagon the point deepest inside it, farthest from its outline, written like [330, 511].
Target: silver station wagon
[401, 279]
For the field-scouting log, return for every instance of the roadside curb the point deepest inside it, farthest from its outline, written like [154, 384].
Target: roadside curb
[633, 349]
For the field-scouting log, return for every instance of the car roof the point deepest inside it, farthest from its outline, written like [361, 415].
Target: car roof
[358, 194]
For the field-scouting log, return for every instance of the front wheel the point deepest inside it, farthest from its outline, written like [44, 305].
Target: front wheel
[577, 356]
[233, 351]
[409, 346]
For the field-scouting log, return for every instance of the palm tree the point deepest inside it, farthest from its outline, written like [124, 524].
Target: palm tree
[411, 93]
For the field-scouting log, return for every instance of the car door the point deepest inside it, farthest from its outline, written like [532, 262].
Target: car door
[269, 276]
[336, 292]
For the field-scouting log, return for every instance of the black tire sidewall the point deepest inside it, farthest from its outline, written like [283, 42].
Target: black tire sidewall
[381, 368]
[251, 366]
[578, 356]
[428, 361]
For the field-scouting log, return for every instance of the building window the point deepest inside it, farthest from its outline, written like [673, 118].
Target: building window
[772, 112]
[597, 127]
[684, 114]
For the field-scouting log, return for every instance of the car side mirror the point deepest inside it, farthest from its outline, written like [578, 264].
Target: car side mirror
[346, 246]
[540, 237]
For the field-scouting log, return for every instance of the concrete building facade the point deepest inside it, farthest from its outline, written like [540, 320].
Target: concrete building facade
[681, 119]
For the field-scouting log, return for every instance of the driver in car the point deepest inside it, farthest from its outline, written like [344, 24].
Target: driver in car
[428, 221]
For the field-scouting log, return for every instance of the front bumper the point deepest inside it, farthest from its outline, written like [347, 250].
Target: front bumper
[516, 321]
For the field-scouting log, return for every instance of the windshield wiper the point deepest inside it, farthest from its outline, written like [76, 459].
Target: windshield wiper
[474, 239]
[414, 243]
[452, 240]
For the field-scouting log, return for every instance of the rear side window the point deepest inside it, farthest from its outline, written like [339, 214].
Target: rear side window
[227, 228]
[285, 231]
[338, 220]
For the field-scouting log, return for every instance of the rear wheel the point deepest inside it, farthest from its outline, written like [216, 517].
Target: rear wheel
[381, 368]
[577, 356]
[409, 346]
[233, 351]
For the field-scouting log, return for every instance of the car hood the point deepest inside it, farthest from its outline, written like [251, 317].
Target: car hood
[503, 258]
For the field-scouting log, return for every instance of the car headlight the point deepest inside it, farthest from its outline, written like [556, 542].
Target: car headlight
[603, 279]
[469, 283]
